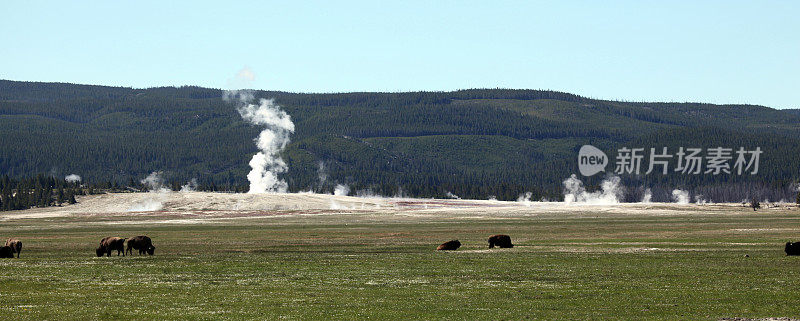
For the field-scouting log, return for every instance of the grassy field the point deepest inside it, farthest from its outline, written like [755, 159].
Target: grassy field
[582, 265]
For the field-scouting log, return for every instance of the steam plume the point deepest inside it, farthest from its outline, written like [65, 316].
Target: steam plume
[453, 196]
[680, 196]
[153, 181]
[648, 196]
[341, 190]
[525, 199]
[322, 174]
[243, 79]
[155, 198]
[72, 178]
[575, 192]
[190, 186]
[265, 165]
[700, 200]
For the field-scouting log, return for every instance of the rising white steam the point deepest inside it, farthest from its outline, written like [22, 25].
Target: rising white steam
[152, 203]
[72, 178]
[341, 190]
[266, 165]
[525, 199]
[453, 196]
[243, 79]
[610, 191]
[648, 196]
[322, 174]
[154, 200]
[367, 193]
[190, 186]
[680, 196]
[701, 200]
[153, 181]
[336, 206]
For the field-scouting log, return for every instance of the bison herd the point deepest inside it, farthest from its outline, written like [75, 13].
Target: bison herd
[504, 241]
[500, 240]
[144, 244]
[141, 243]
[12, 246]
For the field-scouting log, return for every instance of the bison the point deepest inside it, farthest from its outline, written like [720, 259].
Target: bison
[792, 248]
[502, 241]
[449, 246]
[15, 245]
[142, 244]
[108, 244]
[6, 252]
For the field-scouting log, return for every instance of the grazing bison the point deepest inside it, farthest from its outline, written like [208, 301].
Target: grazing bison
[792, 248]
[6, 252]
[142, 244]
[502, 241]
[15, 245]
[449, 246]
[108, 244]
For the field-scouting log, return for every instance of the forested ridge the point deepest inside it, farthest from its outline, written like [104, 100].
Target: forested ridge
[39, 191]
[477, 143]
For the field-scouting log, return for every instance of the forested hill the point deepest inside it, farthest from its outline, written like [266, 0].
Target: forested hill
[472, 143]
[793, 111]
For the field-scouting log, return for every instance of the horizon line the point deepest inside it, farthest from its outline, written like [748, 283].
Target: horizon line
[408, 91]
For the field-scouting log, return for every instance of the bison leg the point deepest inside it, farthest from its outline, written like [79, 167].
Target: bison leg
[491, 245]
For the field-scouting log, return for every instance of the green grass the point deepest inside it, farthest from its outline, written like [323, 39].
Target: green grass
[586, 266]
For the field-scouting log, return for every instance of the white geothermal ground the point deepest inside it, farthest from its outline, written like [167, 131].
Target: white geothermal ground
[199, 207]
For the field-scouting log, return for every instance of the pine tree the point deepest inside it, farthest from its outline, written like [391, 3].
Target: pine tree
[60, 196]
[798, 199]
[71, 197]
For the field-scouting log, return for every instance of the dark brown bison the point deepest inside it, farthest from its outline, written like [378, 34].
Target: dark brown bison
[15, 245]
[111, 243]
[6, 252]
[142, 244]
[792, 248]
[502, 241]
[449, 246]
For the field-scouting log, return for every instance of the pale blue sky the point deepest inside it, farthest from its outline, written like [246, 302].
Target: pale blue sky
[709, 51]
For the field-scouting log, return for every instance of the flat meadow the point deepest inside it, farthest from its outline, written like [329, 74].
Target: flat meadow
[660, 261]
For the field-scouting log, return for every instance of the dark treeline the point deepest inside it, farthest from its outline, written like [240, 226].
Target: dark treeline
[477, 143]
[38, 191]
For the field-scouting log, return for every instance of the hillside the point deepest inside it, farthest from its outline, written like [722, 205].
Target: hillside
[792, 111]
[473, 143]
